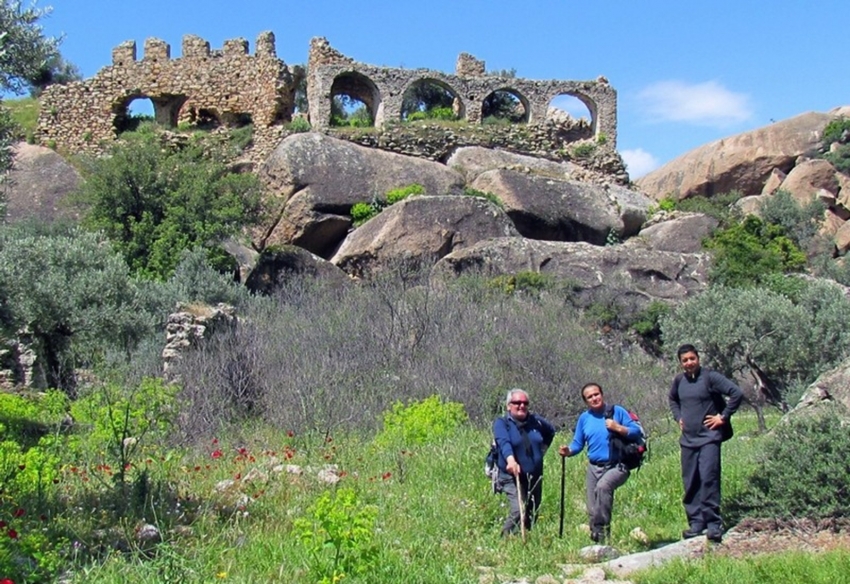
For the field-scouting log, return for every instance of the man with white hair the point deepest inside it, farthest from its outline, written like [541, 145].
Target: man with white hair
[522, 439]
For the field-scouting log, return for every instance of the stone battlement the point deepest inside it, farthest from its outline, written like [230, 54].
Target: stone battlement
[231, 87]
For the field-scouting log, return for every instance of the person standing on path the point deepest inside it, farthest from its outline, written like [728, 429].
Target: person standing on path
[605, 473]
[522, 439]
[702, 402]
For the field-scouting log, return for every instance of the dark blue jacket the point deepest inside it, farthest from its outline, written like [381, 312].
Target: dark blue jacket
[529, 451]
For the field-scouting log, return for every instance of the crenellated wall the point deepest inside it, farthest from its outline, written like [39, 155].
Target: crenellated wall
[232, 87]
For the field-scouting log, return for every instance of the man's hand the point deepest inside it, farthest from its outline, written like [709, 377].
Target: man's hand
[512, 466]
[564, 450]
[714, 422]
[616, 427]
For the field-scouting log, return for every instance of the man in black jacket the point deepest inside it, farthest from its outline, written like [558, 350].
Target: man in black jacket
[698, 401]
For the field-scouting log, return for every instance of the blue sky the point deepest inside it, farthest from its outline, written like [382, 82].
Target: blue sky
[687, 73]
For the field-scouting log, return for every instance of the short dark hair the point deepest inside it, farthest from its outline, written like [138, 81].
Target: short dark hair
[686, 348]
[591, 384]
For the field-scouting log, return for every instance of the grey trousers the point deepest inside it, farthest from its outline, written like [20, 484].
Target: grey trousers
[532, 490]
[600, 484]
[701, 479]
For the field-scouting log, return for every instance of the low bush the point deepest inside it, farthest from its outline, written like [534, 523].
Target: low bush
[393, 196]
[421, 422]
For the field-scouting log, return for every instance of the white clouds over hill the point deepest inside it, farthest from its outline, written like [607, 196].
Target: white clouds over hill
[639, 162]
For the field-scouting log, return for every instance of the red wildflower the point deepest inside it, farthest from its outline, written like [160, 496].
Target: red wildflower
[217, 454]
[12, 534]
[290, 433]
[329, 439]
[215, 440]
[386, 475]
[19, 513]
[238, 476]
[243, 451]
[2, 524]
[197, 468]
[7, 581]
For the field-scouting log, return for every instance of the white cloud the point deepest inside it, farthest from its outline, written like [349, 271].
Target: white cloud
[639, 162]
[707, 103]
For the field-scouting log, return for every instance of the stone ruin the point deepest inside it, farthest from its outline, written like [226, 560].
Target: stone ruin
[230, 87]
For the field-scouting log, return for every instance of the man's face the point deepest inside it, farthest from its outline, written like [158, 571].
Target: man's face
[593, 398]
[518, 406]
[689, 362]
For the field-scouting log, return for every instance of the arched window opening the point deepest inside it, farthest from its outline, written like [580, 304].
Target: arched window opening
[354, 101]
[572, 116]
[429, 99]
[130, 114]
[504, 106]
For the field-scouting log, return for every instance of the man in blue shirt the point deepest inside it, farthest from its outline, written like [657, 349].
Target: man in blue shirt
[604, 472]
[522, 439]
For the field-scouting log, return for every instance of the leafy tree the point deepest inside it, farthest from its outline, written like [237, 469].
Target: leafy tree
[56, 70]
[791, 341]
[24, 49]
[424, 97]
[749, 251]
[800, 222]
[153, 202]
[71, 295]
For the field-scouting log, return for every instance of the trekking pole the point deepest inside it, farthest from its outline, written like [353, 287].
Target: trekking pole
[521, 510]
[563, 474]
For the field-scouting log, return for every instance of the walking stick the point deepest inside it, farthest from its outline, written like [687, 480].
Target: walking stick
[521, 510]
[563, 473]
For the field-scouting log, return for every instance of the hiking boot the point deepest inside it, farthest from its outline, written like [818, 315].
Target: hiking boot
[692, 532]
[714, 536]
[600, 535]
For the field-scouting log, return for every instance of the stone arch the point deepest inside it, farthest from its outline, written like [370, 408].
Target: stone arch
[436, 90]
[166, 109]
[508, 103]
[575, 113]
[358, 86]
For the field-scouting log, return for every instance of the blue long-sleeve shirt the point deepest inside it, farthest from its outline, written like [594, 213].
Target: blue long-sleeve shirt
[529, 455]
[591, 432]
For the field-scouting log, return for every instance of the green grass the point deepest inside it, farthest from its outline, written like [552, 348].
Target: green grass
[436, 518]
[24, 113]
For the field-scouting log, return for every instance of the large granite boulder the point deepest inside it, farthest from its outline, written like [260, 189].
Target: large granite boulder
[331, 175]
[635, 275]
[830, 389]
[276, 265]
[675, 231]
[472, 161]
[742, 162]
[557, 209]
[38, 185]
[421, 230]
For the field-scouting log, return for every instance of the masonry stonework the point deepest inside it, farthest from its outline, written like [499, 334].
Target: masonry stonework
[232, 87]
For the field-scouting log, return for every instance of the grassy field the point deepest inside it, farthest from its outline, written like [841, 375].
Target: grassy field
[25, 114]
[261, 509]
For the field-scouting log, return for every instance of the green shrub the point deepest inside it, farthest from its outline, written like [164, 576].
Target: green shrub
[584, 150]
[528, 281]
[241, 138]
[718, 206]
[362, 212]
[800, 222]
[840, 158]
[647, 322]
[804, 471]
[421, 422]
[492, 197]
[667, 204]
[834, 131]
[299, 125]
[395, 195]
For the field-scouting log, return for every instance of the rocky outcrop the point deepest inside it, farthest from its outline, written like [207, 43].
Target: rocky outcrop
[332, 175]
[277, 265]
[742, 162]
[676, 231]
[39, 184]
[561, 210]
[188, 326]
[633, 275]
[830, 389]
[421, 230]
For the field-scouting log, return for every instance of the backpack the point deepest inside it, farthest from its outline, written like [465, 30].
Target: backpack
[631, 453]
[491, 467]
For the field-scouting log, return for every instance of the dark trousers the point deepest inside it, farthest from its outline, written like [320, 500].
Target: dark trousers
[531, 491]
[701, 479]
[600, 484]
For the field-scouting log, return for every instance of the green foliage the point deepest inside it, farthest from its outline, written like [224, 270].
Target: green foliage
[799, 222]
[437, 113]
[8, 134]
[839, 158]
[647, 323]
[23, 47]
[24, 113]
[56, 70]
[348, 111]
[72, 294]
[667, 204]
[154, 202]
[524, 282]
[362, 212]
[718, 206]
[746, 253]
[583, 150]
[395, 195]
[241, 138]
[421, 422]
[792, 341]
[338, 536]
[492, 197]
[196, 280]
[803, 472]
[836, 131]
[299, 125]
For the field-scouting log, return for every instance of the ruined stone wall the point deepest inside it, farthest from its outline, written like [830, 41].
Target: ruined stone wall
[228, 84]
[231, 85]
